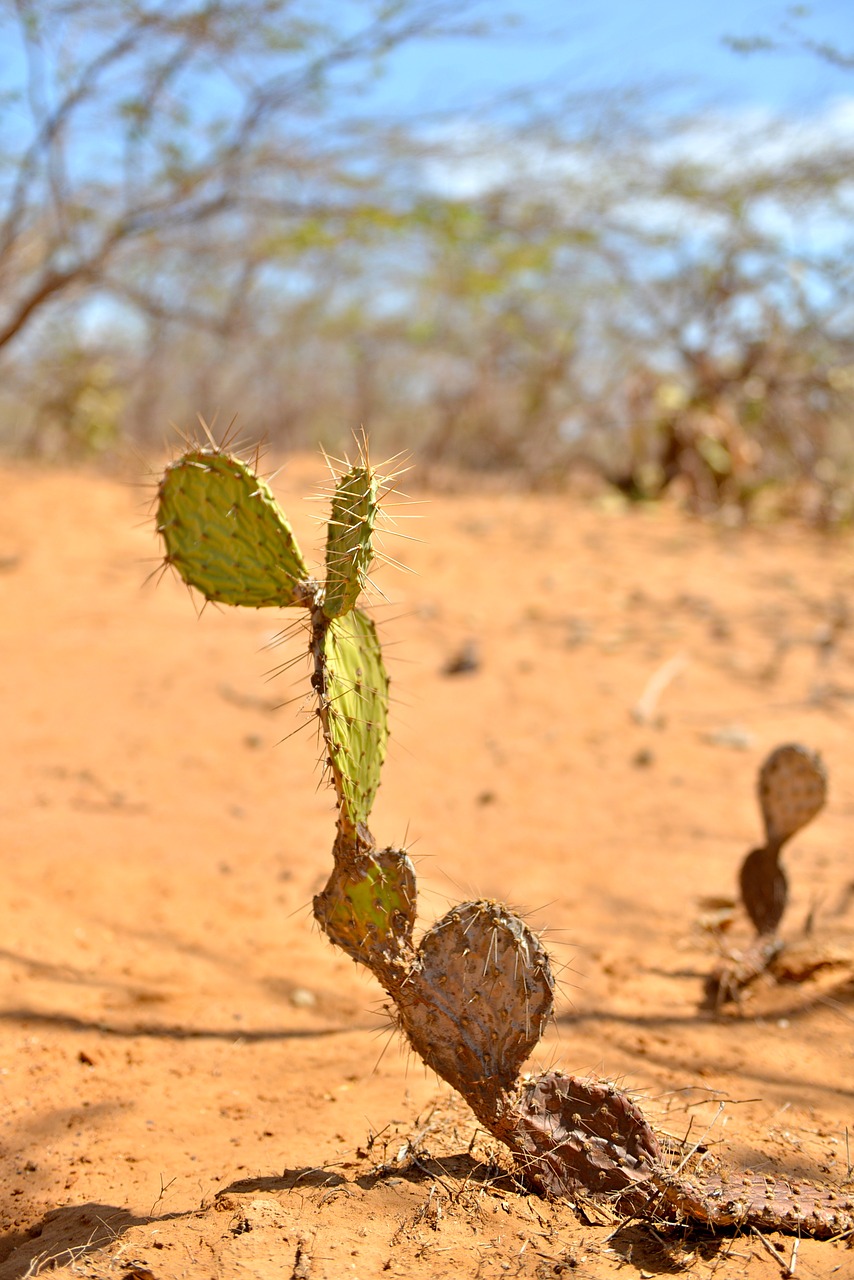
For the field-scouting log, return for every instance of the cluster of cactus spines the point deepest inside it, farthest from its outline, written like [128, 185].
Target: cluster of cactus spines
[474, 996]
[792, 789]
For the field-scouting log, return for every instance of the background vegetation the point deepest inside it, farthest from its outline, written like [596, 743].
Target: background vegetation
[205, 207]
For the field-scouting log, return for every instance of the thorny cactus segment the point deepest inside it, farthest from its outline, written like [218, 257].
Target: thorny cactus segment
[717, 1197]
[227, 536]
[349, 551]
[352, 688]
[573, 1137]
[764, 889]
[792, 790]
[368, 907]
[477, 999]
[573, 1134]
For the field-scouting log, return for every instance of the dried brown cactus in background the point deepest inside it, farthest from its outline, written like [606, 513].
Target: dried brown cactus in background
[792, 789]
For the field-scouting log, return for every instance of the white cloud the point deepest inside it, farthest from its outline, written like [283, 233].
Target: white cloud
[472, 160]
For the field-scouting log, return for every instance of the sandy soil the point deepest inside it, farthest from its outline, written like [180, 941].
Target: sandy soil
[195, 1084]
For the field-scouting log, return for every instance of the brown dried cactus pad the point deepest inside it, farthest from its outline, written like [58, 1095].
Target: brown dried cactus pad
[573, 1134]
[764, 890]
[477, 999]
[792, 790]
[721, 1198]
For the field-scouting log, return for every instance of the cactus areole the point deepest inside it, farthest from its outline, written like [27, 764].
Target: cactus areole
[475, 995]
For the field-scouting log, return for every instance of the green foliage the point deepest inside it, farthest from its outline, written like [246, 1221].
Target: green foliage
[226, 535]
[332, 272]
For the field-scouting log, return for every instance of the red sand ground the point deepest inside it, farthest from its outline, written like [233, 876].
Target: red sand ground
[195, 1084]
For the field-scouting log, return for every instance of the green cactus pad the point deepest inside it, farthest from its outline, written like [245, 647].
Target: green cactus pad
[792, 789]
[478, 998]
[369, 908]
[226, 535]
[354, 711]
[348, 545]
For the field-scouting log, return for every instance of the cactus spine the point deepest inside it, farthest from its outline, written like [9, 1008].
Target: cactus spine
[474, 996]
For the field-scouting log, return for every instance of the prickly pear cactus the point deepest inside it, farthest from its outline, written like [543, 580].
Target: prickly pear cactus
[792, 790]
[586, 1135]
[474, 996]
[368, 907]
[352, 685]
[718, 1197]
[226, 535]
[477, 999]
[764, 888]
[349, 549]
[583, 1137]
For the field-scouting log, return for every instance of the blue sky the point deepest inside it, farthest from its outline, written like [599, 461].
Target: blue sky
[674, 44]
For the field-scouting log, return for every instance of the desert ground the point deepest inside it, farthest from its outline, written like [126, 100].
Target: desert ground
[194, 1083]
